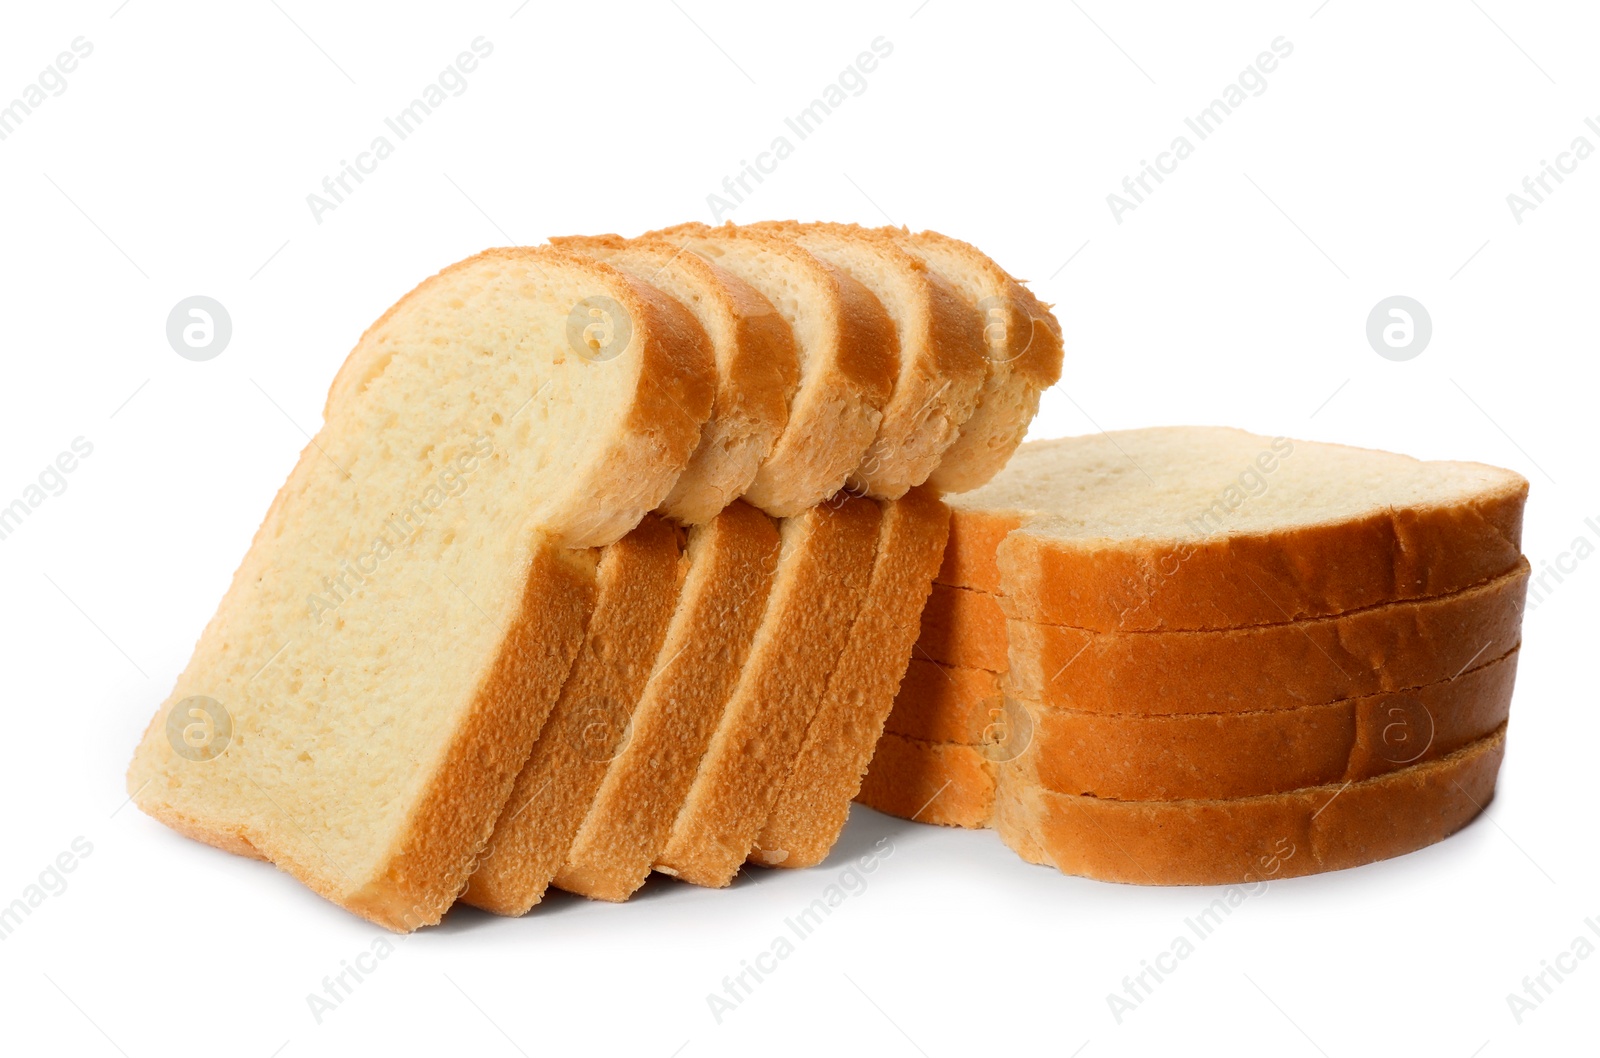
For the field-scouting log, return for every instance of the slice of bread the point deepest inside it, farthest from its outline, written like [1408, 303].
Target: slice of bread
[814, 802]
[947, 703]
[1023, 340]
[758, 367]
[1272, 750]
[639, 579]
[1250, 839]
[1181, 528]
[823, 574]
[1277, 666]
[732, 564]
[944, 362]
[374, 678]
[848, 361]
[945, 783]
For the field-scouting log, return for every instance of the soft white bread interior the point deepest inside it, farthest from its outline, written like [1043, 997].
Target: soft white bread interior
[373, 679]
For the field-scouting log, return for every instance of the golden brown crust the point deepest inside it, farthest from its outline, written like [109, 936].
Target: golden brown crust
[638, 591]
[677, 382]
[944, 783]
[733, 561]
[758, 367]
[1252, 839]
[835, 413]
[970, 557]
[964, 627]
[435, 850]
[822, 579]
[943, 361]
[946, 703]
[1382, 648]
[1242, 579]
[814, 804]
[1024, 345]
[1273, 750]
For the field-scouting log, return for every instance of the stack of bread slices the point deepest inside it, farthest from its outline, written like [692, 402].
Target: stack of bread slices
[1201, 656]
[608, 558]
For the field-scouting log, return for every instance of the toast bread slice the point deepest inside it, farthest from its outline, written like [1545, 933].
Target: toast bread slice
[814, 803]
[1271, 750]
[823, 573]
[944, 361]
[1250, 839]
[1023, 339]
[638, 584]
[848, 361]
[1184, 528]
[360, 704]
[733, 561]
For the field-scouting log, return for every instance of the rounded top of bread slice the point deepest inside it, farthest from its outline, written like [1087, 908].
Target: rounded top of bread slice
[404, 601]
[1208, 527]
[609, 377]
[1023, 339]
[758, 367]
[848, 361]
[939, 336]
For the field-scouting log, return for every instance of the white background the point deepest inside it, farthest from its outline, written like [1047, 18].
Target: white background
[1376, 162]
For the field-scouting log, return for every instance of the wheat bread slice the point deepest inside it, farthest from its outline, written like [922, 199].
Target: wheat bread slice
[733, 561]
[823, 573]
[1271, 750]
[946, 703]
[1182, 528]
[848, 360]
[638, 585]
[1250, 839]
[814, 803]
[948, 784]
[1023, 341]
[758, 366]
[358, 707]
[942, 355]
[1278, 666]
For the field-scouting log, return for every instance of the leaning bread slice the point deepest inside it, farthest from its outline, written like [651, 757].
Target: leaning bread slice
[822, 577]
[1276, 666]
[1271, 750]
[814, 802]
[1250, 839]
[949, 784]
[361, 703]
[1192, 527]
[732, 562]
[758, 367]
[848, 361]
[1023, 340]
[943, 359]
[639, 580]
